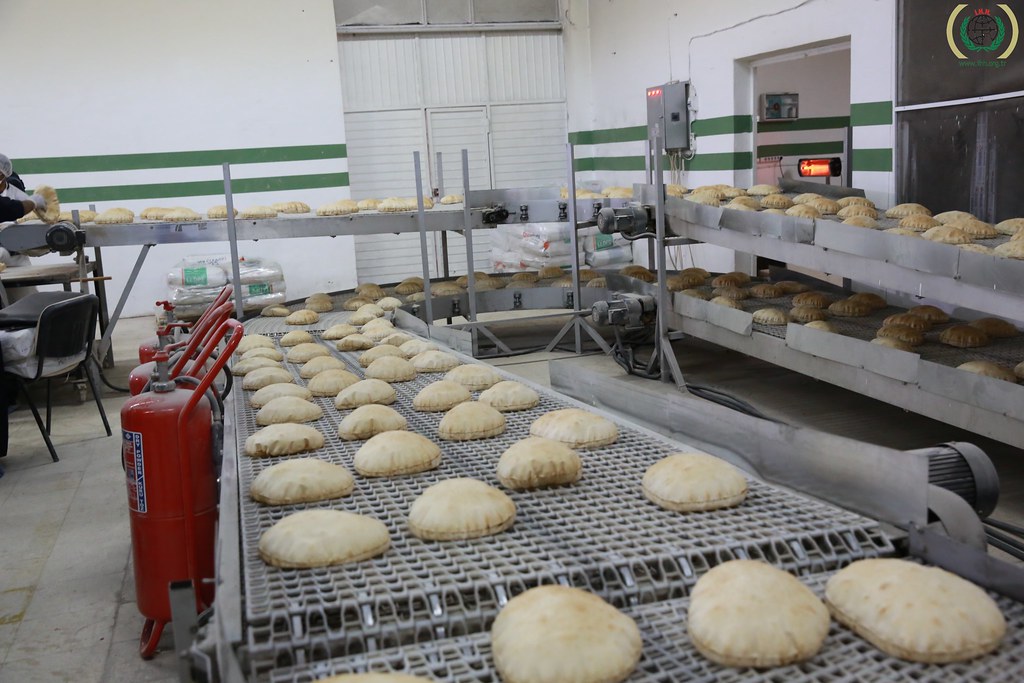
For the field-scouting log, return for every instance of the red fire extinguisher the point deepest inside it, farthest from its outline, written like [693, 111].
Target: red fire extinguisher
[149, 346]
[168, 450]
[182, 353]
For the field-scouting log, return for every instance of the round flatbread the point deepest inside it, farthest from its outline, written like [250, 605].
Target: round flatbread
[396, 339]
[303, 316]
[288, 409]
[391, 369]
[415, 347]
[269, 393]
[304, 480]
[748, 613]
[264, 377]
[355, 342]
[434, 361]
[283, 439]
[340, 331]
[263, 352]
[458, 509]
[370, 420]
[535, 463]
[330, 382]
[393, 453]
[305, 352]
[575, 427]
[923, 614]
[686, 482]
[440, 396]
[379, 352]
[471, 420]
[319, 364]
[322, 538]
[557, 634]
[254, 341]
[247, 365]
[474, 376]
[364, 393]
[508, 396]
[296, 337]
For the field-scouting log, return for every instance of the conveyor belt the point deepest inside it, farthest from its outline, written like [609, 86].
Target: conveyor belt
[669, 656]
[600, 534]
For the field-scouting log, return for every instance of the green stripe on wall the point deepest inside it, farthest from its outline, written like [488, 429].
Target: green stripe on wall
[720, 161]
[213, 157]
[722, 125]
[879, 159]
[798, 149]
[608, 135]
[871, 114]
[202, 187]
[631, 163]
[811, 123]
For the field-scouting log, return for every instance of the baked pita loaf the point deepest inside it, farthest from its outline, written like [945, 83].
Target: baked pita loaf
[288, 409]
[369, 420]
[575, 427]
[535, 463]
[322, 538]
[458, 509]
[283, 439]
[440, 396]
[557, 634]
[686, 482]
[363, 393]
[508, 396]
[269, 393]
[471, 420]
[394, 453]
[303, 480]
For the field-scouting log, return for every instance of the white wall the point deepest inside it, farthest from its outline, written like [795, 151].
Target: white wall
[148, 76]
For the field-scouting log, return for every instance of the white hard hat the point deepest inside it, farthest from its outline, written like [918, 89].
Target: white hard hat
[6, 168]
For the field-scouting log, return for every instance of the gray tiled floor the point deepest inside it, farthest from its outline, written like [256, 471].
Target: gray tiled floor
[67, 598]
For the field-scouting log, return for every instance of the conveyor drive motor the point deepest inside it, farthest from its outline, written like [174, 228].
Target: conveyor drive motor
[632, 311]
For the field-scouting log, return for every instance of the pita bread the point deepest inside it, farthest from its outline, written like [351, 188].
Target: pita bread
[415, 347]
[303, 316]
[305, 352]
[288, 409]
[115, 215]
[269, 393]
[989, 369]
[996, 328]
[557, 634]
[947, 217]
[408, 289]
[846, 308]
[370, 420]
[361, 318]
[822, 325]
[918, 613]
[1011, 226]
[1013, 249]
[264, 377]
[872, 300]
[157, 213]
[220, 211]
[258, 212]
[471, 420]
[182, 215]
[365, 392]
[275, 312]
[891, 343]
[440, 396]
[976, 229]
[459, 509]
[964, 337]
[575, 427]
[342, 207]
[378, 323]
[856, 201]
[254, 341]
[393, 453]
[322, 538]
[904, 210]
[765, 290]
[391, 369]
[368, 204]
[304, 480]
[946, 234]
[320, 306]
[508, 396]
[777, 201]
[396, 339]
[379, 352]
[434, 361]
[377, 334]
[340, 331]
[247, 365]
[806, 314]
[535, 463]
[355, 342]
[907, 335]
[319, 364]
[355, 302]
[918, 222]
[474, 377]
[389, 303]
[858, 211]
[914, 322]
[296, 337]
[748, 613]
[825, 206]
[803, 211]
[687, 482]
[330, 382]
[734, 293]
[771, 316]
[932, 314]
[763, 189]
[283, 439]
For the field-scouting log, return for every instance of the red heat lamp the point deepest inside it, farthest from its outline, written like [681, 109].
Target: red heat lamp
[820, 168]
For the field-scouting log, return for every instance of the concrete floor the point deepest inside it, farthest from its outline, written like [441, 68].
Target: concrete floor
[67, 595]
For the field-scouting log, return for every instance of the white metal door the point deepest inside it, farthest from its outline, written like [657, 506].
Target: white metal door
[449, 132]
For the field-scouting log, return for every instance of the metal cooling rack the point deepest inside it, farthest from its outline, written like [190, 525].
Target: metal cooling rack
[669, 656]
[600, 533]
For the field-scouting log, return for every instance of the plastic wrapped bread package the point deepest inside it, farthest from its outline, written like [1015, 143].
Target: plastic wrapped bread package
[195, 282]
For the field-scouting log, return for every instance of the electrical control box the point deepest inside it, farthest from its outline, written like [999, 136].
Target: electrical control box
[668, 115]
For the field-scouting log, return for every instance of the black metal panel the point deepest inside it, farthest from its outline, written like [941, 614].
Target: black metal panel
[969, 157]
[930, 71]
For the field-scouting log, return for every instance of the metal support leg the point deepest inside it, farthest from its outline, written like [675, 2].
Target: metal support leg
[236, 277]
[103, 348]
[570, 150]
[183, 624]
[421, 221]
[96, 397]
[49, 403]
[663, 351]
[39, 421]
[470, 260]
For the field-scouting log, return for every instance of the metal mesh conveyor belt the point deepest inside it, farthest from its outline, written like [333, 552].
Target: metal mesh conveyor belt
[599, 533]
[669, 656]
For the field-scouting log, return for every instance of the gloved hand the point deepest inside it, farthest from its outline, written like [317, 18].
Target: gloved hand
[39, 201]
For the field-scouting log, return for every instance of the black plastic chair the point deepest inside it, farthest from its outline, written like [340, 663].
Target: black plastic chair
[65, 329]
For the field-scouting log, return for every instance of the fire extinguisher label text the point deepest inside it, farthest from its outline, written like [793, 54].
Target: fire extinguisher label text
[135, 470]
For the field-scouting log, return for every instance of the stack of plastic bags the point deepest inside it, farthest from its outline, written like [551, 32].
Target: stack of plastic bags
[194, 283]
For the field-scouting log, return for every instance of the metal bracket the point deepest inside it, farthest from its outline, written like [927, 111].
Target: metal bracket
[183, 624]
[563, 211]
[524, 213]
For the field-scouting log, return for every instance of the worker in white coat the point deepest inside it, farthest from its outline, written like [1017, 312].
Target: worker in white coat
[14, 203]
